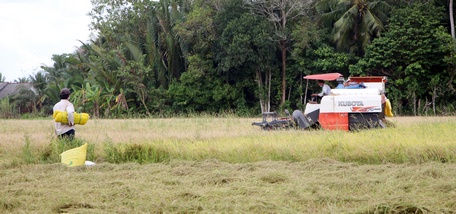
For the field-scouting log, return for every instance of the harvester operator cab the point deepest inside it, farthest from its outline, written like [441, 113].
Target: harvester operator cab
[325, 90]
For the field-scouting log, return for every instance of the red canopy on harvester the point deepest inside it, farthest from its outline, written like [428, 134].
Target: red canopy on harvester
[327, 77]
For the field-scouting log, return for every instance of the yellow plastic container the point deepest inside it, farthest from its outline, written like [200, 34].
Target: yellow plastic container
[62, 117]
[74, 157]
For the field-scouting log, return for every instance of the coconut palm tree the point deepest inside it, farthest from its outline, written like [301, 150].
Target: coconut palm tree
[21, 80]
[354, 22]
[39, 82]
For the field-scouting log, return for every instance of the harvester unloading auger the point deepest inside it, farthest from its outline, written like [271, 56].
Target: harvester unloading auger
[359, 103]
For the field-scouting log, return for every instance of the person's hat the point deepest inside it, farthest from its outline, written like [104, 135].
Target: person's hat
[65, 91]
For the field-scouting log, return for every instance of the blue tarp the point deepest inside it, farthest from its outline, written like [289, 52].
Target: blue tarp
[351, 85]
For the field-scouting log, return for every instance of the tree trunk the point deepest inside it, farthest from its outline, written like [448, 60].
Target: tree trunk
[283, 48]
[414, 103]
[452, 20]
[264, 95]
[96, 112]
[434, 95]
[260, 89]
[269, 74]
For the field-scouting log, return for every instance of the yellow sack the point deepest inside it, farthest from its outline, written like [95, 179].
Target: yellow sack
[62, 117]
[74, 157]
[388, 111]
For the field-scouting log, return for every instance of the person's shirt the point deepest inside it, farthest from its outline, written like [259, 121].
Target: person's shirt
[64, 105]
[325, 90]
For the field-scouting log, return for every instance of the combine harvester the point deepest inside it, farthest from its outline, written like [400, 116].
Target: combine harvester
[355, 105]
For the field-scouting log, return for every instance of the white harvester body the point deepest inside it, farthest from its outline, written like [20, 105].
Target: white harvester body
[356, 105]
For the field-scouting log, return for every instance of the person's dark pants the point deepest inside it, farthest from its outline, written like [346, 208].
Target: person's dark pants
[67, 135]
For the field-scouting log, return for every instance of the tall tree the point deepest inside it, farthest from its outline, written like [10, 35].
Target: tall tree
[249, 49]
[62, 73]
[281, 13]
[39, 82]
[414, 54]
[168, 13]
[354, 22]
[201, 87]
[149, 24]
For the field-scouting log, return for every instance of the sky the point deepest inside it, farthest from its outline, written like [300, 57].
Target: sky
[31, 31]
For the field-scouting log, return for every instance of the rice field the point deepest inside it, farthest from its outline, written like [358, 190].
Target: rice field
[235, 140]
[226, 165]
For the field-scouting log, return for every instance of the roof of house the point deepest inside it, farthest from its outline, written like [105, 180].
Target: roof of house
[7, 88]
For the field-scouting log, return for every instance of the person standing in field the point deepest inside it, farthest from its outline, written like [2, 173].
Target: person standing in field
[65, 130]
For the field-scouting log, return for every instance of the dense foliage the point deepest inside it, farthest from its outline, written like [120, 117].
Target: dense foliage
[415, 53]
[174, 57]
